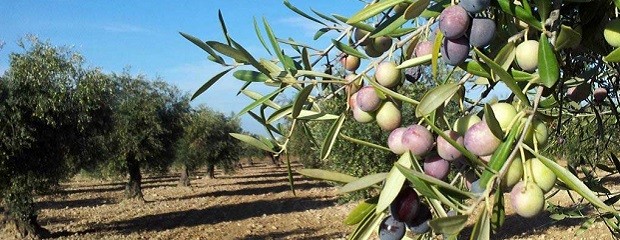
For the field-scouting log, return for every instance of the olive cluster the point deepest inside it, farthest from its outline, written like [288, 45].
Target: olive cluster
[406, 210]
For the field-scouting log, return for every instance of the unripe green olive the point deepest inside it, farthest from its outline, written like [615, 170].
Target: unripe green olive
[541, 174]
[388, 116]
[526, 55]
[387, 74]
[504, 113]
[537, 130]
[463, 123]
[527, 199]
[513, 175]
[350, 62]
[612, 32]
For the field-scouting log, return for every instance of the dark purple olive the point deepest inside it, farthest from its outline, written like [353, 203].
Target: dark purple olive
[390, 229]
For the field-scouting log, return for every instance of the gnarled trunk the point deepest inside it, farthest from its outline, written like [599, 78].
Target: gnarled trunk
[210, 171]
[184, 180]
[18, 216]
[134, 186]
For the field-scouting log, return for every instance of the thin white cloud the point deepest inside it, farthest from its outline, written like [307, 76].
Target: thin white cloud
[124, 28]
[307, 27]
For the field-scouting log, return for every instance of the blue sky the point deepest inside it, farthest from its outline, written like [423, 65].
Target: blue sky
[144, 35]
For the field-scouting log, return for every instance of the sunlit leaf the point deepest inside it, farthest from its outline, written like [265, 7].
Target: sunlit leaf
[435, 98]
[415, 61]
[482, 228]
[228, 51]
[256, 96]
[331, 136]
[327, 175]
[492, 123]
[504, 76]
[209, 83]
[372, 10]
[259, 101]
[250, 76]
[571, 181]
[363, 183]
[389, 26]
[393, 183]
[548, 68]
[360, 211]
[348, 49]
[260, 36]
[301, 100]
[410, 174]
[303, 14]
[613, 56]
[365, 143]
[416, 8]
[567, 38]
[203, 46]
[252, 141]
[450, 226]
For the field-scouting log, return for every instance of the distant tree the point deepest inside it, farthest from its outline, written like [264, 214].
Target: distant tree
[148, 120]
[50, 109]
[206, 142]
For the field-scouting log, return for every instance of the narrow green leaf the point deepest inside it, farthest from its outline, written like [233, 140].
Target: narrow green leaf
[389, 92]
[305, 59]
[328, 18]
[360, 25]
[303, 14]
[331, 137]
[389, 26]
[327, 175]
[410, 174]
[260, 36]
[613, 56]
[252, 141]
[228, 51]
[209, 83]
[508, 6]
[320, 33]
[372, 10]
[316, 116]
[306, 73]
[254, 95]
[393, 183]
[504, 76]
[500, 156]
[498, 215]
[289, 170]
[250, 76]
[280, 113]
[506, 55]
[415, 61]
[482, 229]
[261, 120]
[475, 68]
[544, 8]
[492, 123]
[416, 8]
[435, 98]
[223, 24]
[249, 57]
[273, 40]
[571, 181]
[348, 49]
[435, 53]
[363, 183]
[203, 46]
[567, 38]
[548, 68]
[365, 143]
[259, 102]
[360, 211]
[450, 226]
[301, 100]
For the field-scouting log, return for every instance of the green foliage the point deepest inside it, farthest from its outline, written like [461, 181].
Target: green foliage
[207, 141]
[51, 108]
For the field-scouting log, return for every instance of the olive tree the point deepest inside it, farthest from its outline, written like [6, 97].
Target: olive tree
[148, 121]
[206, 142]
[529, 54]
[49, 107]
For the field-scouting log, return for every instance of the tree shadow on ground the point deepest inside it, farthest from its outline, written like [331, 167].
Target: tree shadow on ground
[90, 202]
[292, 234]
[516, 226]
[212, 215]
[252, 191]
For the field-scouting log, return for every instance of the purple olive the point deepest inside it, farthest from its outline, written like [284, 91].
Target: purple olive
[367, 99]
[395, 142]
[418, 140]
[419, 224]
[445, 149]
[455, 51]
[474, 6]
[390, 229]
[436, 167]
[453, 22]
[405, 206]
[479, 139]
[481, 31]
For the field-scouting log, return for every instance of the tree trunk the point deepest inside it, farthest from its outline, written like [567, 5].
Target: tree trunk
[184, 180]
[134, 186]
[210, 171]
[19, 219]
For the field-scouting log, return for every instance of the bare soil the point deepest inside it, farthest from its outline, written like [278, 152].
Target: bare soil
[253, 203]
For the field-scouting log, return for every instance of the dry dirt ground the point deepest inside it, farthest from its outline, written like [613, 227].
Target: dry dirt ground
[253, 203]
